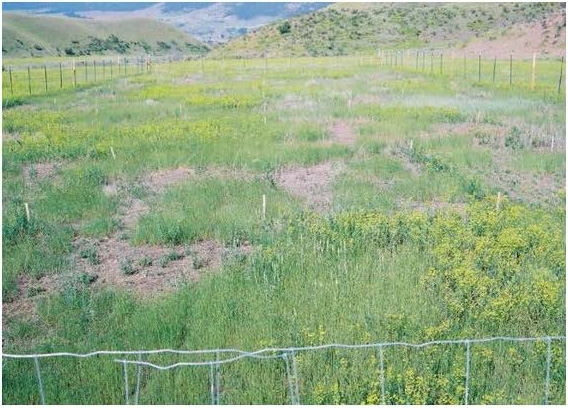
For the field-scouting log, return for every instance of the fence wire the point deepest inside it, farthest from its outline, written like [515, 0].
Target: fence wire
[288, 356]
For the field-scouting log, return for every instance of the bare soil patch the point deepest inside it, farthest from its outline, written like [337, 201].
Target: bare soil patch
[313, 184]
[343, 132]
[524, 39]
[40, 171]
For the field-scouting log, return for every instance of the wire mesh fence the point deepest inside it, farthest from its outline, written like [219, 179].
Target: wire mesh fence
[540, 73]
[288, 357]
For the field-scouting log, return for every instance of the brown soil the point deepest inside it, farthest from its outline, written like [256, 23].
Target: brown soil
[149, 278]
[313, 184]
[40, 171]
[523, 40]
[343, 132]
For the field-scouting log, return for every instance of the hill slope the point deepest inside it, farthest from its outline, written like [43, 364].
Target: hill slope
[210, 22]
[347, 28]
[27, 35]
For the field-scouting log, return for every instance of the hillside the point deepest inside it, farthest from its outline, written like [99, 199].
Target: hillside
[347, 28]
[27, 35]
[210, 22]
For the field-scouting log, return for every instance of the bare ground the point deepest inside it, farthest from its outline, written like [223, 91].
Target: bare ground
[152, 269]
[313, 184]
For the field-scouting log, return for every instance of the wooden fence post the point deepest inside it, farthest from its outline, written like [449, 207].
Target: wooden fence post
[29, 81]
[533, 71]
[60, 75]
[45, 75]
[74, 74]
[10, 74]
[479, 68]
[511, 69]
[560, 78]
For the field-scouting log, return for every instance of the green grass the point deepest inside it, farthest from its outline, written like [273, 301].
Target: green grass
[417, 245]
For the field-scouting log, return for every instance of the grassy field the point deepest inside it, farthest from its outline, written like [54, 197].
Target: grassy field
[402, 204]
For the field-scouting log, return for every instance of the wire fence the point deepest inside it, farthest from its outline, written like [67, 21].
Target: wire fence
[540, 72]
[212, 359]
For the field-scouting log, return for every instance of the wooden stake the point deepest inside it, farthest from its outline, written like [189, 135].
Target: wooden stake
[29, 81]
[10, 74]
[45, 75]
[560, 78]
[511, 70]
[60, 76]
[533, 71]
[74, 74]
[479, 68]
[27, 212]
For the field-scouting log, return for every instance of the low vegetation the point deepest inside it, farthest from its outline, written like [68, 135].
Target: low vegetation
[401, 205]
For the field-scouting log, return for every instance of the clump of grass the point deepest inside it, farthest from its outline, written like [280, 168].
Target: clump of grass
[34, 291]
[90, 253]
[87, 278]
[126, 267]
[198, 262]
[166, 259]
[145, 261]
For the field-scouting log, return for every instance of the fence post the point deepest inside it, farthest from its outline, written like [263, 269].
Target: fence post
[533, 71]
[103, 69]
[86, 71]
[74, 74]
[467, 365]
[416, 60]
[45, 75]
[95, 69]
[10, 74]
[511, 69]
[60, 76]
[29, 81]
[479, 68]
[494, 67]
[560, 78]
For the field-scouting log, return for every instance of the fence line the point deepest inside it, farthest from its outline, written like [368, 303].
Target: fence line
[383, 58]
[287, 354]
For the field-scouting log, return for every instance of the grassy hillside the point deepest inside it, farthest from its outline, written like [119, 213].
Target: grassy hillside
[24, 35]
[346, 28]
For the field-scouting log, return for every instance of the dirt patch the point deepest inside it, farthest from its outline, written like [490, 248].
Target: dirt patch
[343, 132]
[313, 184]
[39, 171]
[523, 39]
[148, 270]
[159, 180]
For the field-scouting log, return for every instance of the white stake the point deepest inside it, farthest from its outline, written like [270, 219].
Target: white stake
[263, 207]
[552, 144]
[27, 212]
[411, 144]
[112, 152]
[498, 201]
